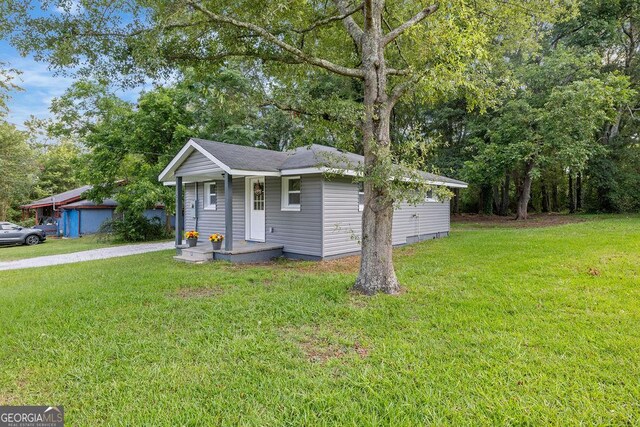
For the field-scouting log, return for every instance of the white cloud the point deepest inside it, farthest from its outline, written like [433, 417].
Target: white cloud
[72, 7]
[39, 86]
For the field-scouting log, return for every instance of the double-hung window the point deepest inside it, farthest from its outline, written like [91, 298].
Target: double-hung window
[291, 191]
[211, 196]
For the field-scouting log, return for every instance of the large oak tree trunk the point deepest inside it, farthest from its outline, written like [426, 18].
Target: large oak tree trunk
[525, 193]
[376, 267]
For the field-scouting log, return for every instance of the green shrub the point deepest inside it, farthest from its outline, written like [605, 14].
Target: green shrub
[133, 228]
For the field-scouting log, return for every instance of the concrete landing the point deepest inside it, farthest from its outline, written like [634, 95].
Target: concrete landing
[243, 252]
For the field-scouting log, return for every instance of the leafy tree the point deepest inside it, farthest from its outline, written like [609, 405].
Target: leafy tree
[391, 47]
[611, 28]
[17, 166]
[560, 131]
[59, 168]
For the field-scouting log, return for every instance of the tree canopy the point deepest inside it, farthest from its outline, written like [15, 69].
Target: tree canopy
[534, 103]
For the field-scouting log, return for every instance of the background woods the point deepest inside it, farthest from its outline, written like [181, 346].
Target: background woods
[560, 135]
[534, 105]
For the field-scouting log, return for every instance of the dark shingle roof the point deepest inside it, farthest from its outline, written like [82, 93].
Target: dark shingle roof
[60, 198]
[320, 155]
[243, 157]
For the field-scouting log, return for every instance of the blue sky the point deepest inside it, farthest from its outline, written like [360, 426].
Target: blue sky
[40, 85]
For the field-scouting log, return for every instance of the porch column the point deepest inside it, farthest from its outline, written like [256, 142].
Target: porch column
[179, 207]
[228, 212]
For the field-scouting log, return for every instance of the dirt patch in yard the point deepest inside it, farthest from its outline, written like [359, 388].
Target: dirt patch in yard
[7, 399]
[322, 346]
[186, 292]
[350, 264]
[494, 221]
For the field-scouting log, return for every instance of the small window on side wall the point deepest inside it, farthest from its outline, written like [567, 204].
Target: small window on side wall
[211, 196]
[430, 196]
[361, 196]
[291, 192]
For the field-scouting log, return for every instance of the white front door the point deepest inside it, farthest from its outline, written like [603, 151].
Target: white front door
[256, 201]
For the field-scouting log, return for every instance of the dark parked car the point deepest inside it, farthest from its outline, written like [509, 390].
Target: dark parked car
[11, 234]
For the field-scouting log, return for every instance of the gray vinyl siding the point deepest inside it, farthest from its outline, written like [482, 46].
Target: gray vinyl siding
[196, 164]
[342, 221]
[299, 231]
[430, 217]
[212, 221]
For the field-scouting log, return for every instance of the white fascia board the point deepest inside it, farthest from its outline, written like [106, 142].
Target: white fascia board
[447, 184]
[457, 185]
[186, 150]
[211, 157]
[241, 172]
[307, 171]
[183, 154]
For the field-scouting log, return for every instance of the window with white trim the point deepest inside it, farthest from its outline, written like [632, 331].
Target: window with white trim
[211, 196]
[291, 193]
[430, 196]
[360, 196]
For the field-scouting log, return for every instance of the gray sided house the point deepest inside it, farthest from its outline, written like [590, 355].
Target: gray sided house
[286, 200]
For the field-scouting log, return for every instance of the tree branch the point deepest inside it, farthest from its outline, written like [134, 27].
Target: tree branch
[349, 23]
[343, 15]
[391, 36]
[296, 110]
[395, 42]
[187, 57]
[265, 34]
[396, 72]
[402, 88]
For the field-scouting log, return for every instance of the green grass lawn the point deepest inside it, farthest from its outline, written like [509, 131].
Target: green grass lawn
[497, 326]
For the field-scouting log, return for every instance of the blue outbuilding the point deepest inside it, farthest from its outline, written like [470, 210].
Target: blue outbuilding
[86, 217]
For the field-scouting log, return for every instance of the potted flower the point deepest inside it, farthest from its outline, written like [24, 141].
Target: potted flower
[216, 240]
[192, 238]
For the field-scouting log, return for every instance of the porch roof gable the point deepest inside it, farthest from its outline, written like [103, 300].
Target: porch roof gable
[232, 159]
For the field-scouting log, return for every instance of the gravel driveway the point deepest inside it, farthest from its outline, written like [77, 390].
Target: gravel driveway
[114, 252]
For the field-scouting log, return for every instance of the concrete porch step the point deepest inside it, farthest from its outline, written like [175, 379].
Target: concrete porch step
[195, 254]
[190, 260]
